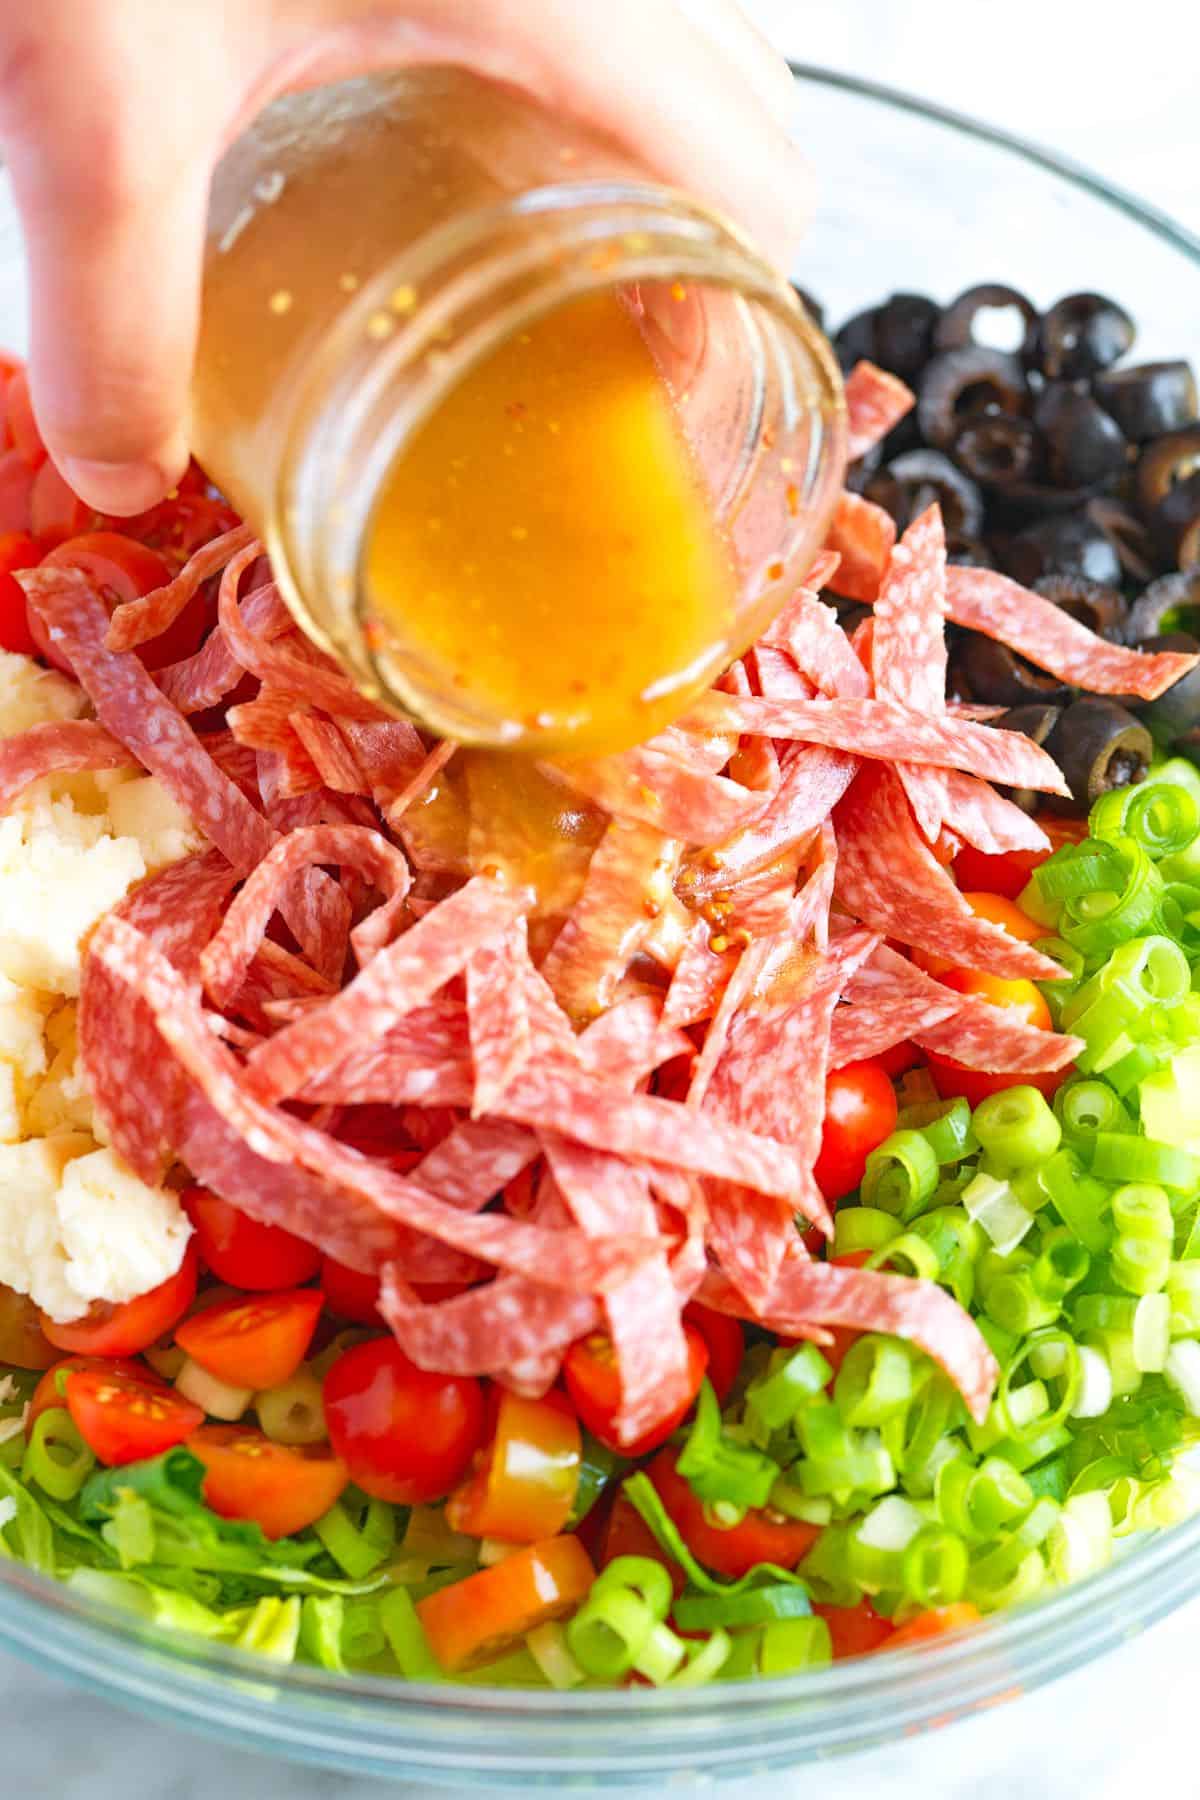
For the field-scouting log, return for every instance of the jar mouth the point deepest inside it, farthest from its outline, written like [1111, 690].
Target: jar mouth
[449, 302]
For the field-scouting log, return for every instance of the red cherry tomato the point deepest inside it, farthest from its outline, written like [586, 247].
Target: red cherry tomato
[122, 1328]
[997, 911]
[179, 526]
[854, 1630]
[405, 1435]
[350, 1294]
[51, 1390]
[762, 1536]
[54, 511]
[121, 570]
[860, 1111]
[1007, 874]
[898, 1059]
[22, 426]
[280, 1487]
[725, 1342]
[18, 485]
[244, 1253]
[125, 1415]
[953, 1079]
[18, 550]
[590, 1372]
[257, 1342]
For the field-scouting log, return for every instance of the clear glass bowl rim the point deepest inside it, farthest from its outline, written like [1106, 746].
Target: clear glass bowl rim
[299, 1710]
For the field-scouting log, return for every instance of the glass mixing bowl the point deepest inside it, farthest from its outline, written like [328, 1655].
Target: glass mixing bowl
[910, 198]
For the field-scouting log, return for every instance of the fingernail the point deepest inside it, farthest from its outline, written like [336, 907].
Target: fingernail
[119, 487]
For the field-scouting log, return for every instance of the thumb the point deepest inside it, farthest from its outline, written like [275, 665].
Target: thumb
[113, 217]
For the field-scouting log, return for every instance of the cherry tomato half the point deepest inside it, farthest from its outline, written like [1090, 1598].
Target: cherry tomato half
[594, 1384]
[933, 1624]
[241, 1251]
[725, 1342]
[18, 488]
[855, 1630]
[122, 1328]
[762, 1536]
[18, 550]
[22, 426]
[405, 1434]
[121, 570]
[179, 526]
[51, 1390]
[472, 1622]
[997, 911]
[257, 1342]
[350, 1294]
[53, 510]
[23, 1343]
[125, 1415]
[860, 1111]
[280, 1487]
[1007, 874]
[953, 1079]
[525, 1485]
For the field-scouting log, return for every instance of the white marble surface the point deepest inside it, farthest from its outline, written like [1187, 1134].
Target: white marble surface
[1078, 79]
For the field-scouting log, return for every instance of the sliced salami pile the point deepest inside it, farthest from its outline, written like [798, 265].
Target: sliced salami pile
[545, 1050]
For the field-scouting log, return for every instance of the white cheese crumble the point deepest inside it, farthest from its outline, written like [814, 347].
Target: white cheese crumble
[76, 1225]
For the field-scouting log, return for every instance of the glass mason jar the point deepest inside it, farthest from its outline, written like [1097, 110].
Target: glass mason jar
[371, 246]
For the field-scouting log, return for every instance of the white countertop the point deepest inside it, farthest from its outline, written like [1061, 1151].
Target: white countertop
[1079, 80]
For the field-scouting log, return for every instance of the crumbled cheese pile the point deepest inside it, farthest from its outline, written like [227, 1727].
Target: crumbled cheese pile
[76, 1225]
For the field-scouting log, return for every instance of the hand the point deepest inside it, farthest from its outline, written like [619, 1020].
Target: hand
[113, 113]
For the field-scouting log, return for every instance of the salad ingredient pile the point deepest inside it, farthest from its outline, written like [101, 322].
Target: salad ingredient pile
[684, 1214]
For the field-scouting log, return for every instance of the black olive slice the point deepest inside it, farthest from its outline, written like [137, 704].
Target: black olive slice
[1034, 721]
[1172, 603]
[904, 334]
[1081, 444]
[1069, 544]
[989, 317]
[1175, 522]
[1127, 534]
[960, 384]
[1102, 609]
[1098, 745]
[997, 449]
[997, 676]
[926, 476]
[856, 339]
[1082, 334]
[1165, 464]
[968, 552]
[1149, 399]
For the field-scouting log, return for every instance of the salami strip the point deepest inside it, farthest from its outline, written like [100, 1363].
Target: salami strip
[771, 1079]
[909, 645]
[297, 668]
[502, 1040]
[809, 631]
[606, 1196]
[886, 732]
[401, 977]
[888, 877]
[475, 1162]
[331, 755]
[1000, 608]
[819, 1293]
[891, 1000]
[812, 782]
[137, 621]
[418, 783]
[57, 747]
[862, 534]
[205, 679]
[627, 884]
[979, 815]
[228, 956]
[389, 752]
[875, 401]
[506, 1329]
[563, 1259]
[630, 1041]
[654, 787]
[699, 979]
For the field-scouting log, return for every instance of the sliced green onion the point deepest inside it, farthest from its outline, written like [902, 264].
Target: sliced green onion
[945, 1125]
[1016, 1128]
[1007, 1575]
[703, 1662]
[716, 1467]
[911, 1254]
[1080, 1201]
[1116, 1157]
[794, 1378]
[1098, 920]
[1095, 1385]
[1169, 1100]
[609, 1632]
[976, 1503]
[877, 1379]
[1061, 1264]
[1183, 1293]
[901, 1175]
[1117, 1347]
[547, 1644]
[1081, 1541]
[793, 1644]
[1070, 1376]
[663, 1654]
[1013, 1301]
[1182, 1370]
[1086, 1107]
[1152, 1333]
[754, 1606]
[406, 1636]
[1048, 1480]
[1162, 818]
[994, 1207]
[56, 1457]
[858, 1228]
[933, 1569]
[956, 1241]
[358, 1550]
[1084, 868]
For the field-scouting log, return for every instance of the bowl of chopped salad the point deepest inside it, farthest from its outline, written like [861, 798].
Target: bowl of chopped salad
[726, 1295]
